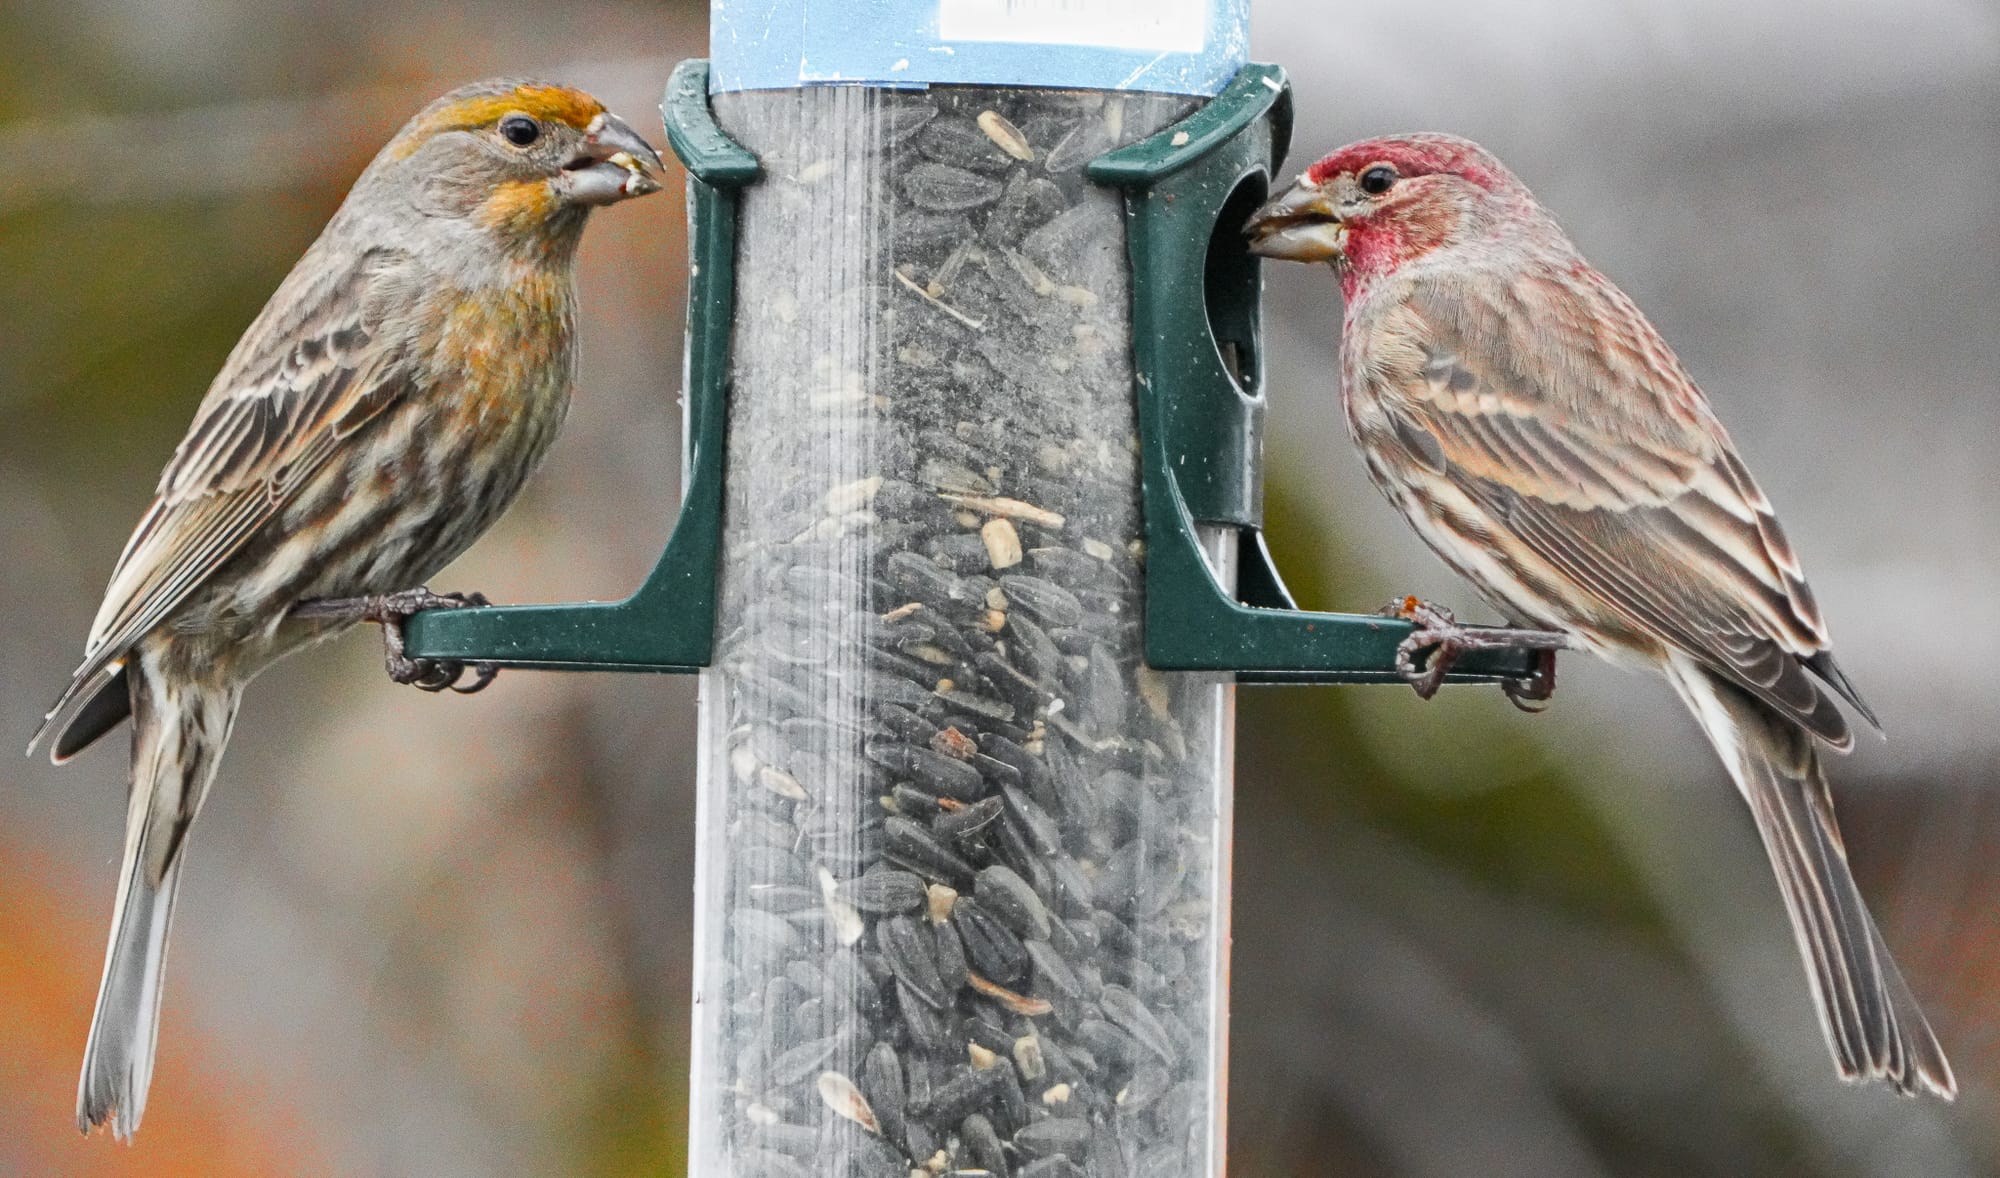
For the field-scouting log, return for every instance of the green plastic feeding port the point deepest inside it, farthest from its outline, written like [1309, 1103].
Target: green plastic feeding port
[1198, 376]
[1197, 367]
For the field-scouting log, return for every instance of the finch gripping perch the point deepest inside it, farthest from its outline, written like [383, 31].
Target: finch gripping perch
[390, 611]
[1438, 628]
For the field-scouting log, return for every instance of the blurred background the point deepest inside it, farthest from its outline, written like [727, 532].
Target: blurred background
[448, 936]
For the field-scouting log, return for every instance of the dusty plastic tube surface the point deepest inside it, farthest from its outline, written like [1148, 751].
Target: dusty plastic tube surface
[962, 880]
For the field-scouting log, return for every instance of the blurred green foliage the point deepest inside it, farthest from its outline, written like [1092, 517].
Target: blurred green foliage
[1462, 777]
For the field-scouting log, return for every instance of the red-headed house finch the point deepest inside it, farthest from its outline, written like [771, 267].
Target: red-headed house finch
[376, 418]
[1543, 439]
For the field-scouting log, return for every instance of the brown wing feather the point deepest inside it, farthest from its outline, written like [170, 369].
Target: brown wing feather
[297, 385]
[290, 394]
[1630, 490]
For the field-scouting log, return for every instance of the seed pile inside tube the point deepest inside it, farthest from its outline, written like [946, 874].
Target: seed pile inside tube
[962, 909]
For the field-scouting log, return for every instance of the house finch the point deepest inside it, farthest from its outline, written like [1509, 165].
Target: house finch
[377, 417]
[1543, 439]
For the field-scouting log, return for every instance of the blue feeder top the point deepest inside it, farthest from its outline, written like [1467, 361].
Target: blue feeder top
[1165, 46]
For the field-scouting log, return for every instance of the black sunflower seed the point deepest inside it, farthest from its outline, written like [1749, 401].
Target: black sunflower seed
[949, 952]
[969, 1089]
[958, 141]
[882, 1084]
[884, 890]
[914, 847]
[1006, 895]
[982, 1145]
[912, 956]
[1010, 1107]
[905, 724]
[1057, 1135]
[1124, 1008]
[1108, 1043]
[993, 950]
[966, 821]
[944, 188]
[979, 705]
[928, 1027]
[946, 776]
[1054, 979]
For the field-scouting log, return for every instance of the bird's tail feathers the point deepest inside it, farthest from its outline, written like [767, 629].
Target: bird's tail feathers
[124, 1030]
[178, 734]
[92, 703]
[1872, 1022]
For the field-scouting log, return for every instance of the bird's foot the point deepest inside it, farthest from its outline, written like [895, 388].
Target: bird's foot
[1438, 629]
[391, 611]
[1533, 693]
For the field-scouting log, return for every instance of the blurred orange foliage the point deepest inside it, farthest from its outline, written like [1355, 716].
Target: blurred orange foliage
[48, 970]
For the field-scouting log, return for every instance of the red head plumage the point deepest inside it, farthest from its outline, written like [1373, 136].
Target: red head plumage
[1417, 155]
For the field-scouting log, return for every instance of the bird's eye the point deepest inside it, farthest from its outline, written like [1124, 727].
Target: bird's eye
[1376, 180]
[520, 130]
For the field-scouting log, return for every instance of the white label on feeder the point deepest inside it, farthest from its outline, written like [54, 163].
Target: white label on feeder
[1166, 25]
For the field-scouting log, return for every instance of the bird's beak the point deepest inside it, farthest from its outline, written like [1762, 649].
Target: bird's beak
[1300, 226]
[615, 164]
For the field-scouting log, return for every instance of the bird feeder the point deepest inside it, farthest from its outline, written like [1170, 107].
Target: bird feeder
[969, 562]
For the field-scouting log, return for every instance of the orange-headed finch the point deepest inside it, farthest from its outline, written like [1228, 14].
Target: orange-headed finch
[377, 417]
[1543, 439]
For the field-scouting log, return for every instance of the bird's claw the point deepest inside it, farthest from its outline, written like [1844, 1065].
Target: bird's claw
[441, 674]
[1435, 626]
[1533, 693]
[391, 611]
[1439, 630]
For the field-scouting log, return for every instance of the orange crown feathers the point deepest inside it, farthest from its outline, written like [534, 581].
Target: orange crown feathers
[484, 103]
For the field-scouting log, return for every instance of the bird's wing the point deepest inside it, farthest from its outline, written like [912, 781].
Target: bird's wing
[1576, 431]
[310, 373]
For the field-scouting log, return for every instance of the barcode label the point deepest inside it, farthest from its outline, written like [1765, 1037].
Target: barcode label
[1173, 25]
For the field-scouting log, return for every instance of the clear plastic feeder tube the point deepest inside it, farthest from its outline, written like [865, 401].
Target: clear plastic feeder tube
[963, 858]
